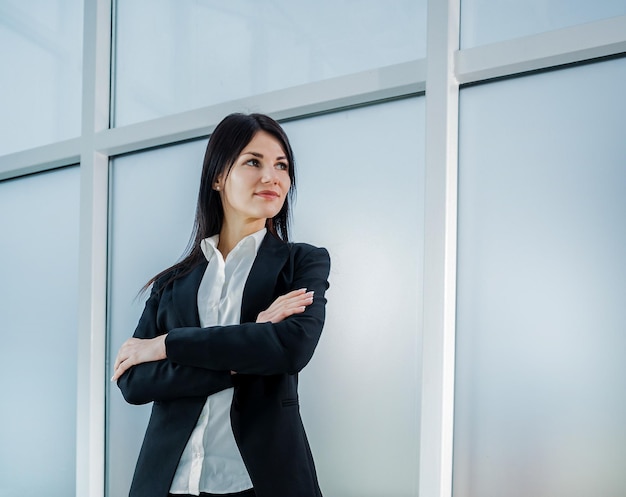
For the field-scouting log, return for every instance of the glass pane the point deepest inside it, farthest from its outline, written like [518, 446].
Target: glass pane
[39, 309]
[541, 348]
[360, 194]
[41, 60]
[346, 203]
[489, 21]
[192, 54]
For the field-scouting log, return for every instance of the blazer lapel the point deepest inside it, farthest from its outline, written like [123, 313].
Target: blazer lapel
[185, 296]
[258, 292]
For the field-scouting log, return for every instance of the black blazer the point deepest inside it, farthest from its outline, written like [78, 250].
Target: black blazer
[265, 413]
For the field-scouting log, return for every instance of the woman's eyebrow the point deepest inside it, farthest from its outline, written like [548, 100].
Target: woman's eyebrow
[260, 156]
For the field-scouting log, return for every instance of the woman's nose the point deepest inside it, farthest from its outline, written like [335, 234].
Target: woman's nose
[269, 175]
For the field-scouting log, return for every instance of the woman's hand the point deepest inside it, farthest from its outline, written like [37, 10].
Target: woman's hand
[136, 351]
[286, 305]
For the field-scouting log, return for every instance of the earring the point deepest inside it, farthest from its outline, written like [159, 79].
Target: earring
[217, 188]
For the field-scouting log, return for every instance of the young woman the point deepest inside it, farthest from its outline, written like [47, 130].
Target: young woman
[225, 332]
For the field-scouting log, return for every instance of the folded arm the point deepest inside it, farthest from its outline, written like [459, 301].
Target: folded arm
[261, 348]
[144, 375]
[191, 361]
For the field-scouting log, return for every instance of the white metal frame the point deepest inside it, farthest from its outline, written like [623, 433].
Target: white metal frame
[440, 209]
[439, 75]
[90, 435]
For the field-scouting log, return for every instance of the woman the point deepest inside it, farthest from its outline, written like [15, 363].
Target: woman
[226, 330]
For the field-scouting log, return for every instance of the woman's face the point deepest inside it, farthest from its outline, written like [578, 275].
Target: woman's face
[257, 185]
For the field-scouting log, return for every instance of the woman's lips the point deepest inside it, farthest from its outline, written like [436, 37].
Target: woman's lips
[268, 194]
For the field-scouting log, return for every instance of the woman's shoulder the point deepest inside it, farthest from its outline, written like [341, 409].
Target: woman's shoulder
[175, 272]
[298, 256]
[303, 248]
[305, 255]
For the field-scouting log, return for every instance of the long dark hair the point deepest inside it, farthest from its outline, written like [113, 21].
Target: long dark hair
[225, 144]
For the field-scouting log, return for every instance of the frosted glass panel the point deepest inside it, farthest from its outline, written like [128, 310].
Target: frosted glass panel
[39, 316]
[360, 394]
[173, 56]
[541, 342]
[153, 203]
[488, 21]
[40, 79]
[360, 194]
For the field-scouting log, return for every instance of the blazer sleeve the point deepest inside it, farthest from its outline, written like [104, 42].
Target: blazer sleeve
[261, 348]
[165, 380]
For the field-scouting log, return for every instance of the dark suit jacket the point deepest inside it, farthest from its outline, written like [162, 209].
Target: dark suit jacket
[265, 413]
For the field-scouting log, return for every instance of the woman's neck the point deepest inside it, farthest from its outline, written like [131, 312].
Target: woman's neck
[231, 235]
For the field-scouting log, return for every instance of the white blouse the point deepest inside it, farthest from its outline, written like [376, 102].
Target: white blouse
[211, 461]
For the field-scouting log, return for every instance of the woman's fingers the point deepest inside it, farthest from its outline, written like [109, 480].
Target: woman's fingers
[136, 351]
[122, 361]
[286, 305]
[295, 298]
[124, 352]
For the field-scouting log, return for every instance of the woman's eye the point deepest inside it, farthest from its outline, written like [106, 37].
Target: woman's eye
[253, 162]
[282, 166]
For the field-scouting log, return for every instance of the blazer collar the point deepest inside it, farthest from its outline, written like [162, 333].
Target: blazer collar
[185, 295]
[258, 292]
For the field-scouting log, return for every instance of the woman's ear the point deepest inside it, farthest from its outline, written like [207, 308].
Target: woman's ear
[217, 184]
